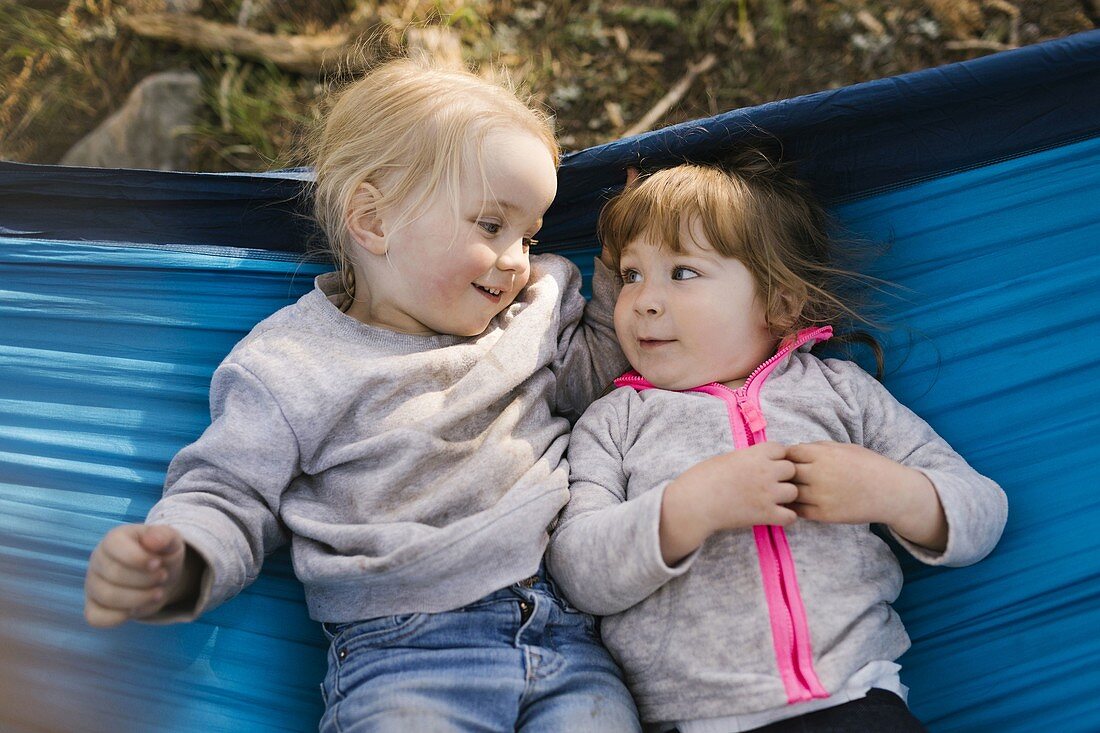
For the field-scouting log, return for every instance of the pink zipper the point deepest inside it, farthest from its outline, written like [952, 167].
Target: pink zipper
[790, 628]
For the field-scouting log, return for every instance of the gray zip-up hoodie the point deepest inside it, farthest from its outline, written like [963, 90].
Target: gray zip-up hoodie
[409, 473]
[761, 617]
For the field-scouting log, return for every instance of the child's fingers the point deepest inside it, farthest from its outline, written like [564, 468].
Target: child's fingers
[161, 540]
[785, 493]
[125, 600]
[102, 617]
[122, 546]
[115, 573]
[785, 470]
[782, 516]
[803, 452]
[806, 511]
[774, 451]
[802, 474]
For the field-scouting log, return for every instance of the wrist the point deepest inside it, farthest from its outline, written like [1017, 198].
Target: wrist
[918, 515]
[685, 521]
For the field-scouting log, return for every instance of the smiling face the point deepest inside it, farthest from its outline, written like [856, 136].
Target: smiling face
[457, 262]
[692, 318]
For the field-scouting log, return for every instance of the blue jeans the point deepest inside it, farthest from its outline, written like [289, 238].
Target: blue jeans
[519, 659]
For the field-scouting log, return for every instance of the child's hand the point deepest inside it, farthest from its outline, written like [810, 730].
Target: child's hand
[849, 484]
[134, 571]
[734, 490]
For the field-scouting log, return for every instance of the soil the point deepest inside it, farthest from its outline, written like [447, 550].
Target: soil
[599, 65]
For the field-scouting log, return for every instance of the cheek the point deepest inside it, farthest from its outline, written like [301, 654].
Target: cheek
[437, 282]
[620, 317]
[524, 277]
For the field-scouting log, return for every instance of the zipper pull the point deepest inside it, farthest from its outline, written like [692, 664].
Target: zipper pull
[754, 418]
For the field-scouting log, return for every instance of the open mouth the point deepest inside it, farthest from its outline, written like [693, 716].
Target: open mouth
[491, 293]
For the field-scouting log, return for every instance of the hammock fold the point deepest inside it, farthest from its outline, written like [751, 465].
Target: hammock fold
[120, 291]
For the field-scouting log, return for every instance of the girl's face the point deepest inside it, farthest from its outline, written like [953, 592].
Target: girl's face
[451, 271]
[689, 319]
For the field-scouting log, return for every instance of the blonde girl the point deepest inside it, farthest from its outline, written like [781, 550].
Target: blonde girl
[723, 495]
[403, 426]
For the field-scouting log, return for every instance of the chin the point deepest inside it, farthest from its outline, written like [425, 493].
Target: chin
[473, 329]
[673, 383]
[656, 379]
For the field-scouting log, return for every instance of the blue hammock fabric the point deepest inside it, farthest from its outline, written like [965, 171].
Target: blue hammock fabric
[120, 291]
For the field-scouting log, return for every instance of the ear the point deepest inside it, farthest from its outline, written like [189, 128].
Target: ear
[363, 220]
[787, 308]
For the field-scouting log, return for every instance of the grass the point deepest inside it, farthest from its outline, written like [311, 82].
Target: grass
[600, 65]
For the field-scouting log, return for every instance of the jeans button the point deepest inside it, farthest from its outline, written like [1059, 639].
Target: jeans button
[524, 611]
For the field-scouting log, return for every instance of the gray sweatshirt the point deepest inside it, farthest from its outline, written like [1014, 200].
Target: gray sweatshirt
[760, 617]
[409, 473]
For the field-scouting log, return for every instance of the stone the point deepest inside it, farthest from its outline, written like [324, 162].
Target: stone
[149, 131]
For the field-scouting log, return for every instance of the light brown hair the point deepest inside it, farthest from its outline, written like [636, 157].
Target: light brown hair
[752, 208]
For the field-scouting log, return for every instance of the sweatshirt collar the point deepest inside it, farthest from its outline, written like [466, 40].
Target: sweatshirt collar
[325, 301]
[807, 337]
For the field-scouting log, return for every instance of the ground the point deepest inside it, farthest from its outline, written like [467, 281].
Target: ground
[599, 65]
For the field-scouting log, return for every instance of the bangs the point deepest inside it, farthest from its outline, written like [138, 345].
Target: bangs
[660, 205]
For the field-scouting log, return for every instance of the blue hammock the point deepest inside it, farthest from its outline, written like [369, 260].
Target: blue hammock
[120, 291]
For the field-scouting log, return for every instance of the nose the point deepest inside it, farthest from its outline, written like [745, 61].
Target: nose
[513, 258]
[648, 300]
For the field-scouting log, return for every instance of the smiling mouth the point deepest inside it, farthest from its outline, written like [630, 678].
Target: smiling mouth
[491, 293]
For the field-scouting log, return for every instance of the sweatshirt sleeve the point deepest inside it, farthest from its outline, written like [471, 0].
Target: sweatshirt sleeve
[222, 492]
[606, 551]
[975, 506]
[588, 355]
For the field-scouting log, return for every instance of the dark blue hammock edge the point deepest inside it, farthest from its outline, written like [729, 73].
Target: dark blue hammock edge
[850, 143]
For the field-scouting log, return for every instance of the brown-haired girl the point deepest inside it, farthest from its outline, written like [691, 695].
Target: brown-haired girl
[722, 497]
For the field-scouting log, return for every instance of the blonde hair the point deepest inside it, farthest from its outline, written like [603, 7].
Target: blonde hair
[749, 207]
[410, 130]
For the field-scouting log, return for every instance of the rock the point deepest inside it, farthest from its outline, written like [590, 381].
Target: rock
[149, 131]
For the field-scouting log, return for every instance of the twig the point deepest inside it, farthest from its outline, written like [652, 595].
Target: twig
[667, 102]
[303, 54]
[871, 23]
[977, 44]
[1013, 14]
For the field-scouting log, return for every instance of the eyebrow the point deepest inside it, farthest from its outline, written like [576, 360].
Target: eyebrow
[500, 204]
[508, 206]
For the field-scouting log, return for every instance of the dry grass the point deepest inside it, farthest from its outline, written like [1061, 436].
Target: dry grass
[600, 65]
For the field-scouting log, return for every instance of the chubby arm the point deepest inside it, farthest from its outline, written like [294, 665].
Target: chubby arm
[850, 484]
[223, 492]
[589, 356]
[902, 474]
[605, 552]
[734, 490]
[614, 549]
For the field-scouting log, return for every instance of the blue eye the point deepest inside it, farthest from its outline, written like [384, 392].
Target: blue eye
[490, 227]
[684, 273]
[630, 276]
